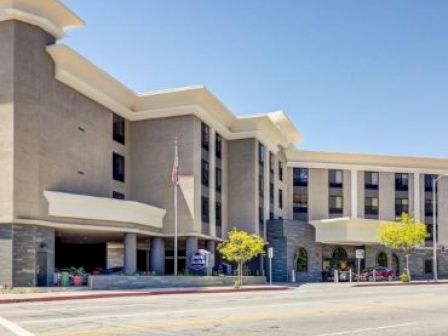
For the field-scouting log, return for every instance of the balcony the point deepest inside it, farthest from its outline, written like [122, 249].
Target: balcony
[347, 231]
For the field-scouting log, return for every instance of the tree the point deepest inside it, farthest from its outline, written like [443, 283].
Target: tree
[240, 248]
[404, 235]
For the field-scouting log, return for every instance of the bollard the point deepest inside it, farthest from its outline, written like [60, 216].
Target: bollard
[293, 276]
[350, 274]
[374, 275]
[336, 276]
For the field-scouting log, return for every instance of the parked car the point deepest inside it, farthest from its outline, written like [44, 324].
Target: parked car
[381, 274]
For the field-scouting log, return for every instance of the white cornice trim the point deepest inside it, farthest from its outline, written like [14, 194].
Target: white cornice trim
[15, 14]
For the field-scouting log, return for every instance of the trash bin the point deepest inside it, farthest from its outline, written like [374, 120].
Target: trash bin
[65, 279]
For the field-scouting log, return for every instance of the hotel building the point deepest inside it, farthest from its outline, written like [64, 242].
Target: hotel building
[86, 172]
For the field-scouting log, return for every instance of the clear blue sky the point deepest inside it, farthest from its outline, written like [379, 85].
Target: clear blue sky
[354, 76]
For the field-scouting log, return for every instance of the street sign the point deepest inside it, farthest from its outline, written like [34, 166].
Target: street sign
[360, 254]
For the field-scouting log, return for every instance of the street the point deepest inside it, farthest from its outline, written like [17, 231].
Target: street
[310, 310]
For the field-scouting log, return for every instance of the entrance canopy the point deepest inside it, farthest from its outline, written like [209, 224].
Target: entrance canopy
[103, 209]
[347, 231]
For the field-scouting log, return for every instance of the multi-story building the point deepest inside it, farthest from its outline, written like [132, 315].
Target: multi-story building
[87, 164]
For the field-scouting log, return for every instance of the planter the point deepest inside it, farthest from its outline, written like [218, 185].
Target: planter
[78, 280]
[65, 279]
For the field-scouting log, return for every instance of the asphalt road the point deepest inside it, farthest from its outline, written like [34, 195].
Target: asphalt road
[312, 310]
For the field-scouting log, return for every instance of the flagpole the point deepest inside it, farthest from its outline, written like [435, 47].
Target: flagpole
[176, 158]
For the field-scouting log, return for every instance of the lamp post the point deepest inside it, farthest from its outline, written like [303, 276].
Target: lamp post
[434, 225]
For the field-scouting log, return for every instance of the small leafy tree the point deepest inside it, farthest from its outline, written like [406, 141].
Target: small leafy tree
[240, 248]
[404, 235]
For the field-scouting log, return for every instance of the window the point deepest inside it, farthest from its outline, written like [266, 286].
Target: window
[371, 180]
[401, 182]
[280, 170]
[429, 182]
[429, 230]
[118, 167]
[381, 260]
[401, 206]
[204, 173]
[205, 209]
[301, 260]
[336, 205]
[218, 179]
[218, 144]
[300, 177]
[429, 211]
[280, 199]
[271, 193]
[218, 213]
[335, 178]
[261, 185]
[205, 136]
[119, 129]
[271, 163]
[261, 154]
[261, 215]
[371, 206]
[300, 203]
[117, 195]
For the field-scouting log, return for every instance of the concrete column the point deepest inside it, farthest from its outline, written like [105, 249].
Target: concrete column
[417, 197]
[354, 192]
[130, 252]
[157, 255]
[211, 247]
[266, 204]
[191, 247]
[212, 183]
[224, 189]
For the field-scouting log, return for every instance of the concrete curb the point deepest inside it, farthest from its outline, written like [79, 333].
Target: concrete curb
[134, 294]
[401, 284]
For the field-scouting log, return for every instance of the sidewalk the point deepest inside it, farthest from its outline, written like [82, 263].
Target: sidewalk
[56, 294]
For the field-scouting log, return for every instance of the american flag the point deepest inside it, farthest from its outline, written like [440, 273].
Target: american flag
[175, 172]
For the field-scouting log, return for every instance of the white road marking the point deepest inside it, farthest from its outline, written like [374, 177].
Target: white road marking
[14, 328]
[356, 331]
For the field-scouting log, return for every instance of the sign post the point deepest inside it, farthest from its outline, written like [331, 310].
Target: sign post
[360, 254]
[270, 256]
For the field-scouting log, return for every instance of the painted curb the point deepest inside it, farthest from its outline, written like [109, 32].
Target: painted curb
[135, 294]
[399, 284]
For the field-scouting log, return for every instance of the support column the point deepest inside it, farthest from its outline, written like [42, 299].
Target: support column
[354, 192]
[191, 247]
[130, 252]
[224, 189]
[266, 176]
[211, 247]
[212, 183]
[417, 214]
[157, 255]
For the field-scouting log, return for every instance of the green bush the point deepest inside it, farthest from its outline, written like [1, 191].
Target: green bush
[404, 277]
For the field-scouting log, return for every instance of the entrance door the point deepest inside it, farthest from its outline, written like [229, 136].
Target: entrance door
[42, 271]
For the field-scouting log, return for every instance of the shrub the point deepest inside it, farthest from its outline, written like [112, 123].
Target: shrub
[404, 277]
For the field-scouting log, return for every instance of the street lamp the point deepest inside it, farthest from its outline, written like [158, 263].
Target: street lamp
[434, 225]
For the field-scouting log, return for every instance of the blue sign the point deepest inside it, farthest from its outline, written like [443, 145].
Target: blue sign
[199, 260]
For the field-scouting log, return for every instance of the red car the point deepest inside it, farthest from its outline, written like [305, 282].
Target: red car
[381, 274]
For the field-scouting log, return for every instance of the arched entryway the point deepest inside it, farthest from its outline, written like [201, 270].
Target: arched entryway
[381, 259]
[396, 265]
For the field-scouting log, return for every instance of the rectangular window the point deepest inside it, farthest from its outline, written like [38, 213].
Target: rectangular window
[300, 203]
[429, 182]
[271, 162]
[261, 185]
[401, 206]
[372, 180]
[300, 177]
[429, 230]
[218, 179]
[371, 206]
[428, 265]
[218, 146]
[118, 167]
[402, 182]
[335, 178]
[117, 195]
[336, 205]
[205, 136]
[204, 173]
[429, 211]
[280, 170]
[261, 154]
[271, 193]
[205, 209]
[280, 199]
[261, 215]
[218, 214]
[119, 126]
